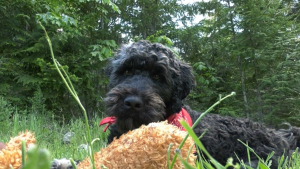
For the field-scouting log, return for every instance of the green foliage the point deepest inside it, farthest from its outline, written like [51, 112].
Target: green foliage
[38, 101]
[250, 47]
[26, 68]
[6, 110]
[103, 49]
[158, 38]
[140, 19]
[206, 81]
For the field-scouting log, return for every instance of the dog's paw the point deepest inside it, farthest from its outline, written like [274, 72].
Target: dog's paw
[62, 164]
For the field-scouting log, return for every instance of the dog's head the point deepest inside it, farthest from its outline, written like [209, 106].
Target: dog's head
[147, 84]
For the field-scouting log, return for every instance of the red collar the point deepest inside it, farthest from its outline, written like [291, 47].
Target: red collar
[173, 119]
[108, 120]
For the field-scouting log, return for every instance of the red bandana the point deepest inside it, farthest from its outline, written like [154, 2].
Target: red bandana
[173, 119]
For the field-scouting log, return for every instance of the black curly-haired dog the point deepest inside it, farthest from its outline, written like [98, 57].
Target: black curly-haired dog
[148, 84]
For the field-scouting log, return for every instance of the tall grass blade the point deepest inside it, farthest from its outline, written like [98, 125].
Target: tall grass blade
[168, 155]
[73, 163]
[186, 164]
[16, 119]
[192, 134]
[37, 159]
[23, 148]
[261, 161]
[71, 89]
[198, 120]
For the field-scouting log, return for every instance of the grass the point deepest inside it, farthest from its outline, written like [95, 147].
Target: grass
[49, 134]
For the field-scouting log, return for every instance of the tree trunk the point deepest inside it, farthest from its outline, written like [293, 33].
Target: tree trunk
[241, 73]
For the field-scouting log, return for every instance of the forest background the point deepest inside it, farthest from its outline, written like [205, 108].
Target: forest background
[247, 46]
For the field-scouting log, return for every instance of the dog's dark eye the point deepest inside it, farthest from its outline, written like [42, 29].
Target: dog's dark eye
[156, 77]
[127, 73]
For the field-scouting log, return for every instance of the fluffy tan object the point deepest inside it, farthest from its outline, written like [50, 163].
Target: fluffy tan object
[12, 154]
[145, 147]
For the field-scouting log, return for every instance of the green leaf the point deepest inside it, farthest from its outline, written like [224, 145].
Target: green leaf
[97, 53]
[37, 158]
[186, 164]
[262, 165]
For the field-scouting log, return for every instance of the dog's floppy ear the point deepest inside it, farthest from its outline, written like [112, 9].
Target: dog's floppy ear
[182, 75]
[187, 80]
[183, 82]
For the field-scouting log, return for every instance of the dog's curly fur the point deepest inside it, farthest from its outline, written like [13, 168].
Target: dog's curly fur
[148, 84]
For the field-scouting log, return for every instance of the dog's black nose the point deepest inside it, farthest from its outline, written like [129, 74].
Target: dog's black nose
[133, 102]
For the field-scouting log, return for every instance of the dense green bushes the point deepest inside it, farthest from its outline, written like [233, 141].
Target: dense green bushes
[250, 47]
